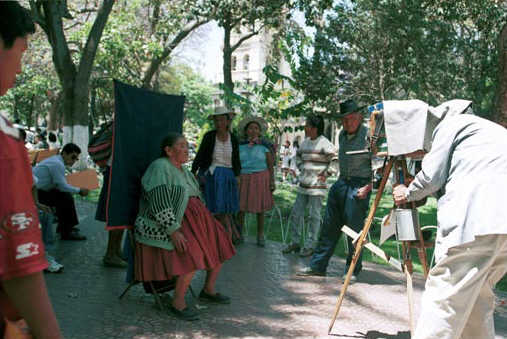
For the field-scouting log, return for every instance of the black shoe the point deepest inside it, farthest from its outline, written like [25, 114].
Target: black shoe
[308, 271]
[291, 248]
[186, 314]
[306, 252]
[76, 236]
[215, 299]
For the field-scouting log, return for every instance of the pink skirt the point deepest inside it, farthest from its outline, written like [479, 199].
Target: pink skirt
[254, 193]
[207, 247]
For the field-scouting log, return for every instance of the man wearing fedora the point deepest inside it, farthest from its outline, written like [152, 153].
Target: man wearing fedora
[348, 198]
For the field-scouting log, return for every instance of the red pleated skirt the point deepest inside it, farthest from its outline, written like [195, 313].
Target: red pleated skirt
[254, 193]
[208, 246]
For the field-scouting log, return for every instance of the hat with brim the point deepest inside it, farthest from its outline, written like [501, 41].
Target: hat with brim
[348, 107]
[220, 110]
[263, 124]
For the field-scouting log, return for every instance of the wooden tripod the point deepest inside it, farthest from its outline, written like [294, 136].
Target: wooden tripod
[400, 164]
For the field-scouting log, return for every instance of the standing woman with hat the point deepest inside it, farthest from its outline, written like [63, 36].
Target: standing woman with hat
[257, 180]
[217, 165]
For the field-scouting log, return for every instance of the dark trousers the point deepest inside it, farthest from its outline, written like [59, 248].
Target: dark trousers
[65, 208]
[343, 208]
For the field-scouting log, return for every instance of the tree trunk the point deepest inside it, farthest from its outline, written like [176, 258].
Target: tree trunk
[53, 123]
[32, 100]
[227, 56]
[500, 101]
[74, 81]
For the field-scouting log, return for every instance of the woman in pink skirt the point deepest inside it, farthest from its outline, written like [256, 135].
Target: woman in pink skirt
[257, 180]
[175, 233]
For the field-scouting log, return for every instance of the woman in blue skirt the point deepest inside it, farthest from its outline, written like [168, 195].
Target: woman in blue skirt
[217, 166]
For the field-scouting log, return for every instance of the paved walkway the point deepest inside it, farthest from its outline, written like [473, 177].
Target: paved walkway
[268, 299]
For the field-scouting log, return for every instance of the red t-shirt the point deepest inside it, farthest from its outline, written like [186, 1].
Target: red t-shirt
[21, 246]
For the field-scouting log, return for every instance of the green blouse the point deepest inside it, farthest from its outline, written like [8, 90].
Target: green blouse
[164, 198]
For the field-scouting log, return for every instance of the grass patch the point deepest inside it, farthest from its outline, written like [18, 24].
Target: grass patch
[285, 196]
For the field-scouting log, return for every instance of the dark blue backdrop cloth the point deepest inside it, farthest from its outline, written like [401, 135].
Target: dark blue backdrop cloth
[142, 119]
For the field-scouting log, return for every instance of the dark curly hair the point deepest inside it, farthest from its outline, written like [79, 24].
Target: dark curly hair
[316, 121]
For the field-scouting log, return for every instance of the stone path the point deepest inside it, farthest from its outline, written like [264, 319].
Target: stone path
[268, 299]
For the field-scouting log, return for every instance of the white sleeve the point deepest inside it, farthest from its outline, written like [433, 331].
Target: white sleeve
[435, 165]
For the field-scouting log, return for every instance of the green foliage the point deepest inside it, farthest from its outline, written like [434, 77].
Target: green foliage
[136, 34]
[181, 79]
[371, 51]
[28, 99]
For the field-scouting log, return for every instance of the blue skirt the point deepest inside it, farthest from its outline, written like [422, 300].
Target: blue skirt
[221, 191]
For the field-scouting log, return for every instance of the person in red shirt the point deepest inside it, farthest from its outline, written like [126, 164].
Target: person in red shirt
[23, 291]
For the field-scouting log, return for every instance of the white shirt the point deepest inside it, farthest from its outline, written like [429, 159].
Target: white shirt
[222, 154]
[51, 175]
[467, 168]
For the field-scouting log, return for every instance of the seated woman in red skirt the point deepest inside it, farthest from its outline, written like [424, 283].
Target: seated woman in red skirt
[175, 233]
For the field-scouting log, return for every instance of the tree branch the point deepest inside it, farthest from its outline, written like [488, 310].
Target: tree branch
[92, 44]
[157, 61]
[246, 37]
[36, 9]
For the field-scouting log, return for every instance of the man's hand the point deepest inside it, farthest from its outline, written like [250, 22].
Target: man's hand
[179, 241]
[399, 194]
[362, 193]
[84, 192]
[321, 177]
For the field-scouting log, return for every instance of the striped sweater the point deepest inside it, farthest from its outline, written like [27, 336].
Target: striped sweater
[314, 157]
[164, 198]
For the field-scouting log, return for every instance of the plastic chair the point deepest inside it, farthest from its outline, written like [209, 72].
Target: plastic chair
[274, 211]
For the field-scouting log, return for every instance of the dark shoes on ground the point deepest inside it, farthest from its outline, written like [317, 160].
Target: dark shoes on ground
[217, 298]
[261, 242]
[186, 314]
[308, 271]
[306, 252]
[291, 248]
[76, 236]
[114, 262]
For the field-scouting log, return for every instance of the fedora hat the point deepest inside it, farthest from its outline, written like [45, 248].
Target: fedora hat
[219, 110]
[259, 120]
[348, 107]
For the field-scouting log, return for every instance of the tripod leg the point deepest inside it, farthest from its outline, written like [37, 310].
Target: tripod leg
[360, 242]
[410, 295]
[421, 250]
[410, 290]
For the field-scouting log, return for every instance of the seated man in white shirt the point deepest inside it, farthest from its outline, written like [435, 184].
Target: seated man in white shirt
[54, 190]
